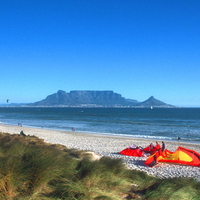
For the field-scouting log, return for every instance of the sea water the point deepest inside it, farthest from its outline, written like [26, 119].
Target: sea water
[155, 124]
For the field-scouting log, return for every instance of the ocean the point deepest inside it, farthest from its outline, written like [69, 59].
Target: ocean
[157, 124]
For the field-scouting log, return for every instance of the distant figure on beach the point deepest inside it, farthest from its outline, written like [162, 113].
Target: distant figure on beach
[163, 146]
[20, 124]
[179, 139]
[73, 129]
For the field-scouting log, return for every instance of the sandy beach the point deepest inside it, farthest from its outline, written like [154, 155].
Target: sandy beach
[105, 145]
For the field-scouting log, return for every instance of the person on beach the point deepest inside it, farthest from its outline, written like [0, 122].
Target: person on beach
[179, 139]
[157, 146]
[163, 146]
[151, 146]
[133, 147]
[136, 147]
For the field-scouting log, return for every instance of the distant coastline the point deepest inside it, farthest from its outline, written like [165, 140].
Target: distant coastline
[88, 106]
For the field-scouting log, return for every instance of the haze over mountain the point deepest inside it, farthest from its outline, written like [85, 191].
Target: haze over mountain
[95, 99]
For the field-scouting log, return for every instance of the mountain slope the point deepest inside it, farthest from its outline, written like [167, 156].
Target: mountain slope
[154, 102]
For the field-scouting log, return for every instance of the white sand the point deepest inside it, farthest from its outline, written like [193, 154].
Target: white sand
[111, 146]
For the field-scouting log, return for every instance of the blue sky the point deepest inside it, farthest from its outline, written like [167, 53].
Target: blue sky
[133, 47]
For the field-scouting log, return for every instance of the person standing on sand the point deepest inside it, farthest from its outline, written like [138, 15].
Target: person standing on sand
[163, 146]
[157, 146]
[151, 147]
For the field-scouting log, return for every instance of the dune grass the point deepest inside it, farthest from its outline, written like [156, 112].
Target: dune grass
[33, 169]
[176, 188]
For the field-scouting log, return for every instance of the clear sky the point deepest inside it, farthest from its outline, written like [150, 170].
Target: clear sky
[137, 48]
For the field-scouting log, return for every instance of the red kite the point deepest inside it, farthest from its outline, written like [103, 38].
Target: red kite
[139, 151]
[180, 156]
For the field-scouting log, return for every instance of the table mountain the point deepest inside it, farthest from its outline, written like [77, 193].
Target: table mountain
[94, 99]
[84, 98]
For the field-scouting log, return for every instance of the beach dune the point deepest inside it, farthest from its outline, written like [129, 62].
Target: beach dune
[106, 145]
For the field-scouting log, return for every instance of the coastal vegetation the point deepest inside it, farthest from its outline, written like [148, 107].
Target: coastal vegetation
[33, 169]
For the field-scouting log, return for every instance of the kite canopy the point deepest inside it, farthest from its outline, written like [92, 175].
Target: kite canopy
[180, 156]
[152, 149]
[139, 151]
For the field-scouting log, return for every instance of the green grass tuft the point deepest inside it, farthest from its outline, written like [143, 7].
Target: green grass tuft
[176, 188]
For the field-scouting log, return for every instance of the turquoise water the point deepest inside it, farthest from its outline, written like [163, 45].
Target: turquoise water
[157, 123]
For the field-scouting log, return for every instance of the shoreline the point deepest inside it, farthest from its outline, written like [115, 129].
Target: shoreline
[111, 145]
[182, 141]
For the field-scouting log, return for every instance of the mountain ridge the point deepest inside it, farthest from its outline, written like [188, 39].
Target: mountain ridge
[94, 98]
